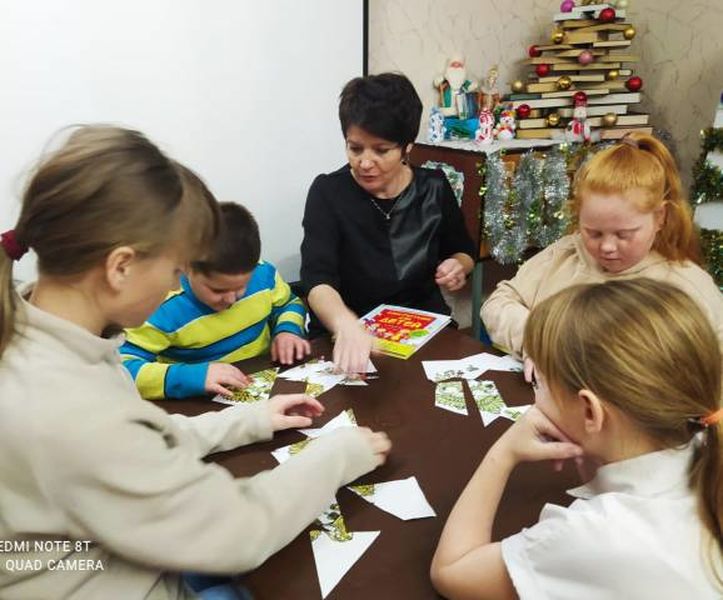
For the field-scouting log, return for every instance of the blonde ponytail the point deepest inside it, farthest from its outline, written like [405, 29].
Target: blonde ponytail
[7, 301]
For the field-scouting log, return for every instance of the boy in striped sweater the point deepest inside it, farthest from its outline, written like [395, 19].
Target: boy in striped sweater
[230, 307]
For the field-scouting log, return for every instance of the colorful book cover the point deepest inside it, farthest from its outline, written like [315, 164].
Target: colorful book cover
[402, 331]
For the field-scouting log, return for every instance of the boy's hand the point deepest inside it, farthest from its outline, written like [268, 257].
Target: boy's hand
[220, 377]
[535, 437]
[289, 411]
[288, 347]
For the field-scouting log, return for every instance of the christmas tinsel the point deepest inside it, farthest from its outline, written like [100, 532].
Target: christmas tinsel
[527, 210]
[504, 218]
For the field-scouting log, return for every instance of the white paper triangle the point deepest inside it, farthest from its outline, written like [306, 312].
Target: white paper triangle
[344, 419]
[403, 498]
[333, 559]
[514, 412]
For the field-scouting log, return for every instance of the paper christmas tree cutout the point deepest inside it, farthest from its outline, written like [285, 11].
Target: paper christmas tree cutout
[259, 388]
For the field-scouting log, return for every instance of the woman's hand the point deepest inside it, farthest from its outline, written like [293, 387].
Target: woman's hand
[534, 437]
[291, 411]
[288, 347]
[352, 348]
[450, 274]
[222, 377]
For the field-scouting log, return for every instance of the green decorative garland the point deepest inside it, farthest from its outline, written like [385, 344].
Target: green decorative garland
[708, 187]
[707, 178]
[712, 243]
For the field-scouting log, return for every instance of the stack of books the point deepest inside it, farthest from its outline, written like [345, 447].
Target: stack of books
[605, 73]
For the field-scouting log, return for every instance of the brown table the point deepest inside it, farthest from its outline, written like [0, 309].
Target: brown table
[440, 448]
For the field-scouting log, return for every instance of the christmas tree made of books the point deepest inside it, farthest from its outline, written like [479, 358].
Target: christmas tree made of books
[589, 53]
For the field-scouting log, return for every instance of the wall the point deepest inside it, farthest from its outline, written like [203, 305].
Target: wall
[244, 92]
[680, 46]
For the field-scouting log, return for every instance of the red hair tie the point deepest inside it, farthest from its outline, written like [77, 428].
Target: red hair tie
[712, 418]
[13, 248]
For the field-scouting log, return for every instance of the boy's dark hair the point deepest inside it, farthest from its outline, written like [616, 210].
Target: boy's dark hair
[237, 248]
[385, 105]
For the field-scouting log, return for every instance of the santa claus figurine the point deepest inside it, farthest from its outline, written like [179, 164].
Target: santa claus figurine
[453, 86]
[578, 129]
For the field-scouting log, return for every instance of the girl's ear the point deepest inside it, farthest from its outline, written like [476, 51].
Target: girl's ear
[659, 215]
[593, 411]
[118, 267]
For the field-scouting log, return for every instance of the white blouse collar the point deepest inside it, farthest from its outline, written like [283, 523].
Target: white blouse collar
[662, 473]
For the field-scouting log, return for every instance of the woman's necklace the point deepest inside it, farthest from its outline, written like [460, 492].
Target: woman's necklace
[387, 215]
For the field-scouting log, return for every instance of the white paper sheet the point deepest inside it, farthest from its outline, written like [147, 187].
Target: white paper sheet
[334, 558]
[403, 498]
[345, 418]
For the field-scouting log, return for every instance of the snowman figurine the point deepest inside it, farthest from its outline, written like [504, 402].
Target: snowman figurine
[505, 128]
[578, 129]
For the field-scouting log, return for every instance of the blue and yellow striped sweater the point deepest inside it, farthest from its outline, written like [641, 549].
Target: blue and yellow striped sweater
[169, 354]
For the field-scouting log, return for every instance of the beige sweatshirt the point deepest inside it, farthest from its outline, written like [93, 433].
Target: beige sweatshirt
[566, 263]
[84, 458]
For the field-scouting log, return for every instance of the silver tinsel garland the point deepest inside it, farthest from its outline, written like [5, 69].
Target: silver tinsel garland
[530, 210]
[504, 221]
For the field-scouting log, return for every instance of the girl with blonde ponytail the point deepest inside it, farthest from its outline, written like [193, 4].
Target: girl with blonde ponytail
[630, 218]
[103, 494]
[627, 374]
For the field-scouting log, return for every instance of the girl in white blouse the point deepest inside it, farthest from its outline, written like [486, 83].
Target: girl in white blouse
[628, 375]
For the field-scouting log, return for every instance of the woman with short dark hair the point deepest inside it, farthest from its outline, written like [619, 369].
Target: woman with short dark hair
[378, 230]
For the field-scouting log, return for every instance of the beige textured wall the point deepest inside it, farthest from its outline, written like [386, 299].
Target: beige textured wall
[680, 44]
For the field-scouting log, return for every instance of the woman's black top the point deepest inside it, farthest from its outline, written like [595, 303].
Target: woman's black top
[350, 245]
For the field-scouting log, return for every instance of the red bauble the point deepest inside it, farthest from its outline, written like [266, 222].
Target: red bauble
[579, 98]
[523, 111]
[634, 84]
[533, 51]
[542, 70]
[607, 15]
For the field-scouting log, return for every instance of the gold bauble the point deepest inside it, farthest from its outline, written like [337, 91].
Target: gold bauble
[518, 86]
[564, 83]
[557, 37]
[609, 119]
[629, 32]
[621, 4]
[553, 120]
[612, 74]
